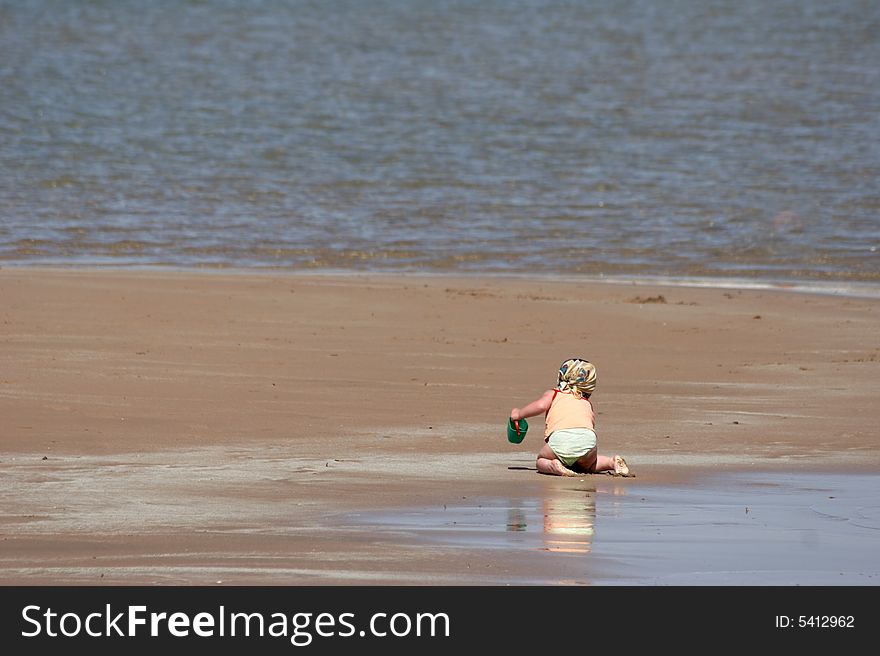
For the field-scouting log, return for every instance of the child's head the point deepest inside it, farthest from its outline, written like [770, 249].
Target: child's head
[578, 376]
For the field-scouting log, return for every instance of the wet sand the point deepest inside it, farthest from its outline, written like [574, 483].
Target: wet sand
[168, 427]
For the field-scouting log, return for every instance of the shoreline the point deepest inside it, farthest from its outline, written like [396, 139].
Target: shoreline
[839, 287]
[175, 425]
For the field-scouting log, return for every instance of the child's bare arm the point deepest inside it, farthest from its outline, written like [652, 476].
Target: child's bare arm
[536, 407]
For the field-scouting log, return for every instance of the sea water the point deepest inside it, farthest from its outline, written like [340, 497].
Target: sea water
[684, 139]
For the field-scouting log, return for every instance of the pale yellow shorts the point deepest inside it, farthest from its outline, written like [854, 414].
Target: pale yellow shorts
[569, 444]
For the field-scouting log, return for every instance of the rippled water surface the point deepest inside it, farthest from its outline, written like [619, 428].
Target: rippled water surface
[628, 138]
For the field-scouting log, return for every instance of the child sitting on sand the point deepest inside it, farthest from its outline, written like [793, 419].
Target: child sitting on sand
[569, 429]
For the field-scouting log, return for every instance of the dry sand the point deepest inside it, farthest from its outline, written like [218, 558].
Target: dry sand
[188, 428]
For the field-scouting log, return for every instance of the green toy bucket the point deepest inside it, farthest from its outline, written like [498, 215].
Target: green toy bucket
[516, 430]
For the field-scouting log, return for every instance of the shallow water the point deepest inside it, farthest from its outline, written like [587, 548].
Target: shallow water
[541, 136]
[260, 514]
[762, 528]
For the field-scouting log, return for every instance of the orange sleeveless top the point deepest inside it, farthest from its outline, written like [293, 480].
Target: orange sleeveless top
[568, 411]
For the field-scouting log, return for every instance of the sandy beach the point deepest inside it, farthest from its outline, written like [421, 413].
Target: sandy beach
[168, 427]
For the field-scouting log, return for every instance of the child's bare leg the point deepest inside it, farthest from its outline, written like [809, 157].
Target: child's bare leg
[554, 466]
[548, 463]
[603, 463]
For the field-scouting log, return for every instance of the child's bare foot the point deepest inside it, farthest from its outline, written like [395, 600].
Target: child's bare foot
[620, 466]
[561, 470]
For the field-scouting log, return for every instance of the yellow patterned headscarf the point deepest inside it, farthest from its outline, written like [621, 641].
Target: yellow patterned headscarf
[577, 376]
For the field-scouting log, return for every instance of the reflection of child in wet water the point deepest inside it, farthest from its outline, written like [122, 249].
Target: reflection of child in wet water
[569, 429]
